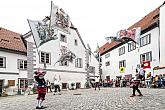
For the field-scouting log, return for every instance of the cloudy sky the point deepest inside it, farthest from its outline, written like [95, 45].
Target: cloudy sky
[95, 19]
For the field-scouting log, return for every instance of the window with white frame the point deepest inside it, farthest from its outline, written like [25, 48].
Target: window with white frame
[145, 40]
[122, 50]
[75, 42]
[131, 46]
[64, 63]
[146, 57]
[63, 38]
[78, 63]
[22, 64]
[45, 57]
[122, 63]
[107, 63]
[107, 55]
[2, 62]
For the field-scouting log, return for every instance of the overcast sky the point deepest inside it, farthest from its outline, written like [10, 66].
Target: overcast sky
[95, 19]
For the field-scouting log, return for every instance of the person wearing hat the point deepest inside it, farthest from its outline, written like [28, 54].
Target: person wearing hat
[41, 88]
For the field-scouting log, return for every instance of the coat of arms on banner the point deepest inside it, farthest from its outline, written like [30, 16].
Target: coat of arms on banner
[127, 35]
[44, 31]
[41, 32]
[59, 19]
[131, 34]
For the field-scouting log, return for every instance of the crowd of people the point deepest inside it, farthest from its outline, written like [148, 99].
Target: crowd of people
[141, 79]
[155, 82]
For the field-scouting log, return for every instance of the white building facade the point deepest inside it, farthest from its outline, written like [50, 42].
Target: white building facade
[123, 59]
[129, 59]
[13, 62]
[47, 55]
[67, 72]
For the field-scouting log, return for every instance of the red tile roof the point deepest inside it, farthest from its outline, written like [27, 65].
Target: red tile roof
[144, 23]
[107, 47]
[148, 20]
[11, 41]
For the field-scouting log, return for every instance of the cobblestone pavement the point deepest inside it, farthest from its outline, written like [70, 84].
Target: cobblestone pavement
[89, 99]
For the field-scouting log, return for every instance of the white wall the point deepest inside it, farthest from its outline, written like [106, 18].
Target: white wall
[11, 67]
[53, 47]
[132, 58]
[93, 62]
[70, 72]
[162, 35]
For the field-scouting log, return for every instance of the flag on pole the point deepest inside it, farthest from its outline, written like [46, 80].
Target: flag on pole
[131, 34]
[41, 32]
[59, 19]
[146, 64]
[34, 26]
[53, 15]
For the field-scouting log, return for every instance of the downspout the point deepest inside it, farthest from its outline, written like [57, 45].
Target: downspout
[158, 39]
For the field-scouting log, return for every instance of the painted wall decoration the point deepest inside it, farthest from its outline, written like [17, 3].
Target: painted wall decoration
[69, 56]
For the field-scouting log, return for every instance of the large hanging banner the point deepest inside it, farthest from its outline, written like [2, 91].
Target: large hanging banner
[133, 34]
[41, 32]
[59, 19]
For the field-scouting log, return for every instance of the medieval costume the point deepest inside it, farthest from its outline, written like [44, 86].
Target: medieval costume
[41, 88]
[97, 83]
[136, 83]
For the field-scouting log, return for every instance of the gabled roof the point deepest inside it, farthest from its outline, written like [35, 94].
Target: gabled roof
[148, 20]
[144, 23]
[11, 41]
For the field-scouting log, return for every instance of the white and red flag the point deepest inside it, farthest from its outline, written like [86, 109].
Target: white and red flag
[146, 64]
